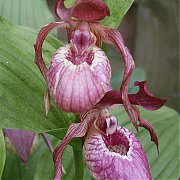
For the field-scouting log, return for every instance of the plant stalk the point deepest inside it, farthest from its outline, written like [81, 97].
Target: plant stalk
[79, 164]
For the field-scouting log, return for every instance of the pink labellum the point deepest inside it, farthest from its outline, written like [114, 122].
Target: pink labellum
[116, 156]
[78, 82]
[143, 98]
[22, 141]
[84, 10]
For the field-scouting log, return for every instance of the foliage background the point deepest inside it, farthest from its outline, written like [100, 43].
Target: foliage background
[150, 30]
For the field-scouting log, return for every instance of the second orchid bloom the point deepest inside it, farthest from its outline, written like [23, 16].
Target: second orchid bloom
[78, 78]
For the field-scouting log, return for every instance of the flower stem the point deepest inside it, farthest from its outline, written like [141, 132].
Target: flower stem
[48, 142]
[79, 164]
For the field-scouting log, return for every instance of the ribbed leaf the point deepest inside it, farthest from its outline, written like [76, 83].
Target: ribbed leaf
[34, 13]
[118, 9]
[22, 87]
[2, 152]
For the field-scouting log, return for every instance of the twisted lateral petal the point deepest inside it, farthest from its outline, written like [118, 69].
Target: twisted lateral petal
[22, 141]
[74, 130]
[84, 10]
[39, 42]
[113, 36]
[77, 83]
[117, 156]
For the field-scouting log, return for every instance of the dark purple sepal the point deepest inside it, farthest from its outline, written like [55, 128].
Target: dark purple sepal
[84, 10]
[22, 141]
[61, 11]
[143, 98]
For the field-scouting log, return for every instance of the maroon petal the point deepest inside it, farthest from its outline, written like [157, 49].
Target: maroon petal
[144, 123]
[22, 141]
[143, 98]
[39, 42]
[74, 131]
[84, 10]
[62, 12]
[113, 36]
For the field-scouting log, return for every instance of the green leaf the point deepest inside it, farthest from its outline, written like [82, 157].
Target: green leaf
[118, 9]
[2, 152]
[46, 162]
[22, 86]
[34, 13]
[138, 75]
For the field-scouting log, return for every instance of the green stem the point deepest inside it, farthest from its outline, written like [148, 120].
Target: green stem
[79, 165]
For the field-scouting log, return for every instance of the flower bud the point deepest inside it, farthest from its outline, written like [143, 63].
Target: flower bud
[21, 143]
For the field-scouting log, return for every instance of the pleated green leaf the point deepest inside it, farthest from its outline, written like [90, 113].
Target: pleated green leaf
[2, 152]
[22, 86]
[34, 13]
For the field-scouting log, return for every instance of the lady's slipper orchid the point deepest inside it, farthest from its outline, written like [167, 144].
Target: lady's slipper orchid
[98, 122]
[78, 78]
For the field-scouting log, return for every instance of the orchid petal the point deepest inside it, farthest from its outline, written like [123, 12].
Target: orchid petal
[147, 125]
[22, 141]
[74, 131]
[113, 36]
[143, 98]
[61, 11]
[84, 10]
[146, 99]
[39, 42]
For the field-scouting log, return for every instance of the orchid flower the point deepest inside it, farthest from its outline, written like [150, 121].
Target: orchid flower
[78, 78]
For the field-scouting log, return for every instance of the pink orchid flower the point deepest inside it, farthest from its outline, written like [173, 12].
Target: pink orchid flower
[79, 78]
